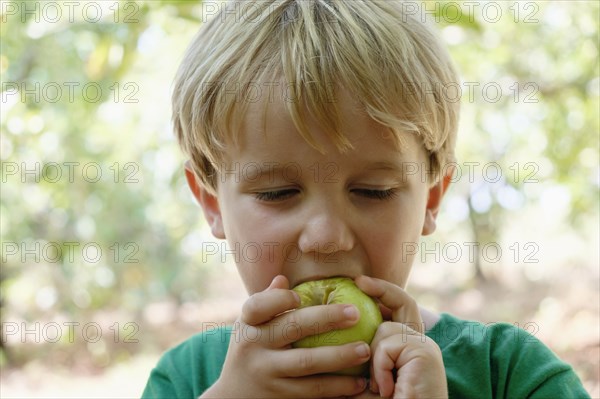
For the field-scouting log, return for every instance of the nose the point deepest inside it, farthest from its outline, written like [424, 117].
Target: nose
[326, 231]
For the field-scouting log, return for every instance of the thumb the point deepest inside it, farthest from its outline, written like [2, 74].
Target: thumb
[279, 281]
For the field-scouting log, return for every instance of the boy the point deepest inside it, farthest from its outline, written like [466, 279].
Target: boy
[304, 122]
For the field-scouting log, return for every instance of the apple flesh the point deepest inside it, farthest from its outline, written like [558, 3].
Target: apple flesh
[338, 290]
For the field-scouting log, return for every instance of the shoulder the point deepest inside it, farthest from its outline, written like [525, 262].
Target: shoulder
[450, 330]
[189, 368]
[501, 359]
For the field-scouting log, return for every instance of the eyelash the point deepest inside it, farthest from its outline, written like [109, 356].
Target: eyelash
[280, 195]
[378, 194]
[272, 196]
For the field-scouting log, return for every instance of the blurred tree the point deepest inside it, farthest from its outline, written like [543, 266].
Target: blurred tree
[530, 109]
[91, 185]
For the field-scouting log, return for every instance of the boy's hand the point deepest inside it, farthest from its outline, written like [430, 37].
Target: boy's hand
[261, 363]
[401, 348]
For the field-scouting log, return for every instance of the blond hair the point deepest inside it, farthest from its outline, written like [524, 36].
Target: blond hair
[390, 61]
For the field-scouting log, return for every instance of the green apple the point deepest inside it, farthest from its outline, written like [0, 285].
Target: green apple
[337, 290]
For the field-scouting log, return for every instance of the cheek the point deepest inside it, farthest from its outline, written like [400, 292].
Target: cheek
[258, 239]
[255, 279]
[401, 223]
[392, 242]
[258, 261]
[244, 224]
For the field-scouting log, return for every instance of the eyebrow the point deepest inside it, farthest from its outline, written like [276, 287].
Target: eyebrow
[383, 165]
[255, 171]
[402, 166]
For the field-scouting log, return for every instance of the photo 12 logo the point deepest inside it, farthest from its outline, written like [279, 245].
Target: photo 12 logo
[68, 251]
[69, 172]
[55, 12]
[69, 92]
[451, 12]
[472, 92]
[468, 251]
[67, 332]
[292, 331]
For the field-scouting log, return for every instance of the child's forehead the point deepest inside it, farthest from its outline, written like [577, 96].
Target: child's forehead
[267, 131]
[274, 112]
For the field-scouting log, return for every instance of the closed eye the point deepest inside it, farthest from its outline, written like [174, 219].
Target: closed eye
[376, 194]
[276, 195]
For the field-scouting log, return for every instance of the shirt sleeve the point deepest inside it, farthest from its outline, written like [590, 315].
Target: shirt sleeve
[166, 381]
[500, 360]
[529, 369]
[190, 368]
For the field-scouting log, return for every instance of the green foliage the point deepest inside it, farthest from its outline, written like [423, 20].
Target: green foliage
[542, 128]
[92, 183]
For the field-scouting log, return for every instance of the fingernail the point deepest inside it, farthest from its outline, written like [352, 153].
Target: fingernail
[361, 383]
[297, 297]
[374, 387]
[351, 312]
[362, 350]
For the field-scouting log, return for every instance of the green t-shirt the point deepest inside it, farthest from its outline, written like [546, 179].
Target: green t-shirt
[482, 361]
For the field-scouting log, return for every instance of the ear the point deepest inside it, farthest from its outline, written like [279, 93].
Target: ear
[434, 200]
[208, 202]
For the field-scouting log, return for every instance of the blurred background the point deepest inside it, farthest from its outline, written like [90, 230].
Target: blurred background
[101, 242]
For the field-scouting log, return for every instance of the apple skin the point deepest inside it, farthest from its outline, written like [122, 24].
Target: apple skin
[338, 290]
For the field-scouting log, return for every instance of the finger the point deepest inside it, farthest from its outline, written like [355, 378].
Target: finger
[279, 281]
[323, 386]
[383, 365]
[373, 386]
[367, 394]
[301, 362]
[321, 319]
[403, 307]
[264, 306]
[383, 373]
[386, 331]
[390, 354]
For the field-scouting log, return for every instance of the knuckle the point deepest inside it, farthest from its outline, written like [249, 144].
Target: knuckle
[251, 307]
[344, 356]
[291, 298]
[306, 361]
[318, 388]
[333, 314]
[432, 345]
[411, 302]
[383, 345]
[387, 328]
[291, 320]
